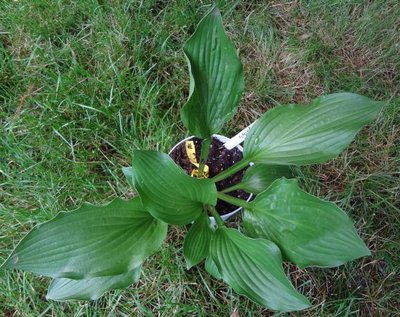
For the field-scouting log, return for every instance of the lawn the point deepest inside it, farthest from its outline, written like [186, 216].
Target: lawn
[83, 83]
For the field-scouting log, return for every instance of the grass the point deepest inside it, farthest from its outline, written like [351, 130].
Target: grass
[84, 83]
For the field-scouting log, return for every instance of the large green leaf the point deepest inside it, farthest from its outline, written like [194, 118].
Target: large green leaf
[92, 288]
[89, 242]
[253, 267]
[259, 176]
[216, 78]
[297, 134]
[166, 191]
[197, 241]
[308, 230]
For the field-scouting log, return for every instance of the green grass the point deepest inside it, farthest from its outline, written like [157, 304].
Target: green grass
[84, 83]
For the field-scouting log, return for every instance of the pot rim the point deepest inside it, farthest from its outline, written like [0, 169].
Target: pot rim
[224, 139]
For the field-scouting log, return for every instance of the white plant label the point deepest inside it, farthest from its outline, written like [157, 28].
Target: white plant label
[238, 138]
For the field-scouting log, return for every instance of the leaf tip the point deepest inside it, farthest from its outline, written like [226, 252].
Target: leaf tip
[189, 265]
[366, 251]
[299, 304]
[126, 170]
[48, 297]
[363, 250]
[306, 303]
[214, 11]
[50, 294]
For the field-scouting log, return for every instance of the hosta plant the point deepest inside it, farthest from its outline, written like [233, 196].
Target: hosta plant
[99, 248]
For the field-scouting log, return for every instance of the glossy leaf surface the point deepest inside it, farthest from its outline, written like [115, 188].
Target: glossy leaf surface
[253, 267]
[91, 241]
[297, 134]
[62, 289]
[309, 231]
[166, 191]
[258, 177]
[197, 241]
[216, 78]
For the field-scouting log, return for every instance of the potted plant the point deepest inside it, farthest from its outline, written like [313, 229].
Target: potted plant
[98, 248]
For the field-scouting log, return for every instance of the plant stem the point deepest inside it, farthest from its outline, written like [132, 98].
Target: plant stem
[205, 148]
[232, 188]
[230, 171]
[217, 217]
[234, 201]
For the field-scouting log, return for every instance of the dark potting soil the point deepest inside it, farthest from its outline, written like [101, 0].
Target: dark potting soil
[219, 159]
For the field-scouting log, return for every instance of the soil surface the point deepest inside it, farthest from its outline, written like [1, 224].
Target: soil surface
[219, 159]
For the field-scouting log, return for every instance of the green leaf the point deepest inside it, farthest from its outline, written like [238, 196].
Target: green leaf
[166, 191]
[62, 289]
[212, 268]
[197, 241]
[309, 231]
[253, 267]
[259, 176]
[89, 242]
[297, 134]
[216, 78]
[128, 174]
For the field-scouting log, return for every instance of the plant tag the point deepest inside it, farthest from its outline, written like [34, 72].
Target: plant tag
[191, 154]
[238, 138]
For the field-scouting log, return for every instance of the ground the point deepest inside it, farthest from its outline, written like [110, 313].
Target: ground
[83, 83]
